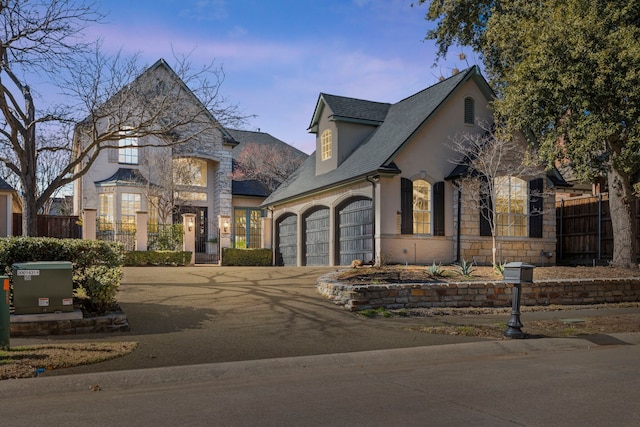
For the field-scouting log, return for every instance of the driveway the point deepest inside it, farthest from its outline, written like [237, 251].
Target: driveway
[193, 315]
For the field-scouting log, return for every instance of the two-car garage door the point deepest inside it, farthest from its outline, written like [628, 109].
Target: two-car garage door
[354, 224]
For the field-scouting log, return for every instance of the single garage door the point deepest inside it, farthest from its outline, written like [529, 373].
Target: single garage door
[288, 241]
[355, 221]
[316, 226]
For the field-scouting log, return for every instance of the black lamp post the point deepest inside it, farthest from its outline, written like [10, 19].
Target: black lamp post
[516, 273]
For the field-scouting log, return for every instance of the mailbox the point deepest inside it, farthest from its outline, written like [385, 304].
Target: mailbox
[518, 273]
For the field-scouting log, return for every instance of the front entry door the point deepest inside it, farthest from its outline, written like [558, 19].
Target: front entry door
[206, 234]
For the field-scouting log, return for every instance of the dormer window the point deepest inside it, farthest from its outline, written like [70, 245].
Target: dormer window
[469, 111]
[325, 144]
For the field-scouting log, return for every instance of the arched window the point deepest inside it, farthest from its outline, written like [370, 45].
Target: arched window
[469, 111]
[421, 207]
[325, 144]
[511, 206]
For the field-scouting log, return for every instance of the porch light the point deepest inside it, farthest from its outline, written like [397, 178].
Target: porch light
[190, 224]
[225, 226]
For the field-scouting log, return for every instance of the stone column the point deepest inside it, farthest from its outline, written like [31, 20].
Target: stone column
[224, 240]
[189, 241]
[267, 232]
[142, 235]
[89, 224]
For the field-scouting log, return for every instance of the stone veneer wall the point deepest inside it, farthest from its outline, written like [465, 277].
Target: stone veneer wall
[115, 322]
[530, 250]
[477, 294]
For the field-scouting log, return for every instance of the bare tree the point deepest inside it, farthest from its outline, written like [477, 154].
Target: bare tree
[164, 184]
[269, 165]
[487, 160]
[43, 38]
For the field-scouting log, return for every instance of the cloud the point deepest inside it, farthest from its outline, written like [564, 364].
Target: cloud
[205, 10]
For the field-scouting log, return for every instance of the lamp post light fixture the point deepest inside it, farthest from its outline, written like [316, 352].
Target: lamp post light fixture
[516, 273]
[190, 224]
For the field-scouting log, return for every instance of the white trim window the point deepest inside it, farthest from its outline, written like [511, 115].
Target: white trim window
[421, 207]
[128, 149]
[511, 206]
[326, 140]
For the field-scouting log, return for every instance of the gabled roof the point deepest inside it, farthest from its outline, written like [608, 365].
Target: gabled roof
[377, 154]
[249, 187]
[244, 137]
[349, 109]
[123, 176]
[4, 185]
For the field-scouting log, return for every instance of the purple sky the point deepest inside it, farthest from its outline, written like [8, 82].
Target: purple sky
[279, 55]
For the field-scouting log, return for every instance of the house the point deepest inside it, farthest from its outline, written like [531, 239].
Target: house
[248, 194]
[145, 174]
[9, 204]
[380, 186]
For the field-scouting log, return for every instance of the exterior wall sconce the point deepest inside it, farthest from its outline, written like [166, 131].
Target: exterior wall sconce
[225, 226]
[190, 224]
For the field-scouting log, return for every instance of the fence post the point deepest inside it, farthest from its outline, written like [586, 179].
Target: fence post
[142, 233]
[189, 241]
[89, 224]
[599, 226]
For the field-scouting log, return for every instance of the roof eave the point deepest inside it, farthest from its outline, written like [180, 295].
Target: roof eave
[382, 171]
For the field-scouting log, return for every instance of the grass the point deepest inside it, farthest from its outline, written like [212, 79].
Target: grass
[31, 361]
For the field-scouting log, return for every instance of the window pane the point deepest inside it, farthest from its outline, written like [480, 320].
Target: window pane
[129, 205]
[189, 171]
[421, 207]
[325, 143]
[129, 152]
[511, 206]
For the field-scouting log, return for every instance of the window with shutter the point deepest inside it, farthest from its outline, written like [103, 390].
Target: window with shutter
[536, 206]
[406, 206]
[438, 208]
[469, 111]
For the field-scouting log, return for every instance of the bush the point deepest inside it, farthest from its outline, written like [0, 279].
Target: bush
[142, 258]
[99, 288]
[97, 265]
[246, 257]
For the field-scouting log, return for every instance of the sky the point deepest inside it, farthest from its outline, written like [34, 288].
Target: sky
[279, 55]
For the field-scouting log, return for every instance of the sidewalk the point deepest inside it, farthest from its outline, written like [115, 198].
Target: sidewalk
[544, 382]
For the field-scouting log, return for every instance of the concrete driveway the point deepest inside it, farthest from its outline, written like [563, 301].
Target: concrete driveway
[193, 315]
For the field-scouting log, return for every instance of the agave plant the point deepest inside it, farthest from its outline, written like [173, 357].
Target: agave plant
[466, 268]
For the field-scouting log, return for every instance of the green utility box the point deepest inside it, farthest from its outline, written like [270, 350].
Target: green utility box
[42, 287]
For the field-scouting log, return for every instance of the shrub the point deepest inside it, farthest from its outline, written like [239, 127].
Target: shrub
[246, 257]
[466, 268]
[436, 270]
[98, 287]
[85, 256]
[141, 258]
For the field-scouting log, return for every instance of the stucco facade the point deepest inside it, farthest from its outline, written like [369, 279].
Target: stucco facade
[380, 151]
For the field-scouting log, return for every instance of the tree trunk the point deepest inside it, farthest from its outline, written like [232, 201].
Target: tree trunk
[29, 216]
[622, 211]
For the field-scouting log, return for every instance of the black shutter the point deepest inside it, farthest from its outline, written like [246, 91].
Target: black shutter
[438, 208]
[485, 214]
[536, 199]
[406, 205]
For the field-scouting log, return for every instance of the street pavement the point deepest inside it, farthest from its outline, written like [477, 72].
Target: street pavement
[258, 346]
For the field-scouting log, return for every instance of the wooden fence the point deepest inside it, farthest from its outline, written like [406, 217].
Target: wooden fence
[583, 228]
[52, 226]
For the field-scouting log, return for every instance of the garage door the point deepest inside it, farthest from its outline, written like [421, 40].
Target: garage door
[316, 226]
[355, 220]
[288, 241]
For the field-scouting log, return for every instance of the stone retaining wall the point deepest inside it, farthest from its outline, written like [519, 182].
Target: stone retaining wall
[113, 322]
[477, 294]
